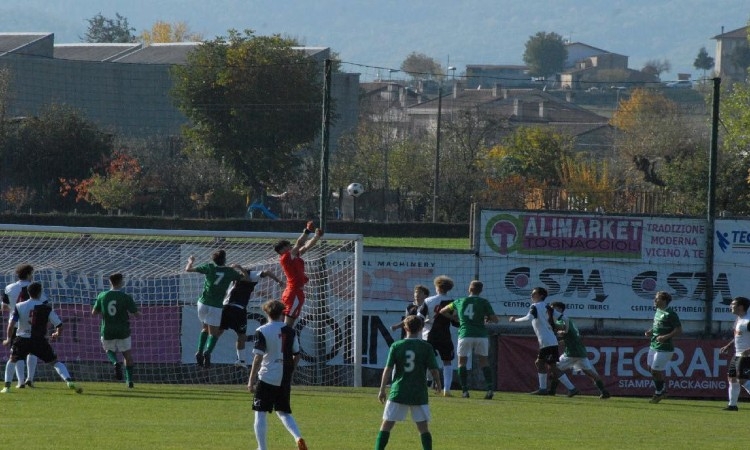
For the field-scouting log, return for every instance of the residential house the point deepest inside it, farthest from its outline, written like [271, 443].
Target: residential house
[485, 75]
[520, 107]
[591, 67]
[727, 47]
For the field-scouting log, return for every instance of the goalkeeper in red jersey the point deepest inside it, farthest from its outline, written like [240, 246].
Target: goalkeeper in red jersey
[294, 269]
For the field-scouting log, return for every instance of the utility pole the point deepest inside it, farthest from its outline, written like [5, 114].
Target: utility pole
[436, 181]
[324, 143]
[711, 206]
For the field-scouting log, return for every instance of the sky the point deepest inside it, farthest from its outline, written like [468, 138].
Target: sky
[383, 33]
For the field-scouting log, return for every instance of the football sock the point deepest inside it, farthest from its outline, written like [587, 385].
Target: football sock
[599, 385]
[62, 371]
[447, 377]
[21, 371]
[542, 380]
[463, 378]
[260, 429]
[487, 377]
[426, 439]
[553, 385]
[290, 424]
[659, 385]
[734, 392]
[31, 361]
[112, 356]
[241, 354]
[10, 367]
[566, 381]
[746, 385]
[128, 374]
[202, 338]
[382, 440]
[210, 344]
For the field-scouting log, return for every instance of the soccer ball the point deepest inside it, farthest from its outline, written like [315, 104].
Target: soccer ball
[355, 189]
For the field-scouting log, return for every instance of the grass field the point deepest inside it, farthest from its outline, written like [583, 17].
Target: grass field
[427, 243]
[107, 415]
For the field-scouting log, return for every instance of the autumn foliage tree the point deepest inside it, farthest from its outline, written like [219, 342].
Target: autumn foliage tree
[652, 133]
[114, 189]
[163, 32]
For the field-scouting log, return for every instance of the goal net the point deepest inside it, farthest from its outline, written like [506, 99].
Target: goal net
[73, 265]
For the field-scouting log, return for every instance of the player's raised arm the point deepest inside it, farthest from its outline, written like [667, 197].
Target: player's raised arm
[271, 275]
[318, 233]
[190, 262]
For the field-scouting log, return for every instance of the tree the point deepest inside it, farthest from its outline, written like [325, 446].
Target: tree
[253, 102]
[653, 132]
[588, 185]
[116, 188]
[59, 143]
[735, 149]
[703, 61]
[466, 137]
[656, 67]
[532, 152]
[105, 30]
[163, 32]
[740, 57]
[545, 54]
[422, 67]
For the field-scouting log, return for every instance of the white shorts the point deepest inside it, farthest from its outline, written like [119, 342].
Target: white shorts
[575, 363]
[658, 360]
[478, 346]
[209, 315]
[396, 412]
[116, 345]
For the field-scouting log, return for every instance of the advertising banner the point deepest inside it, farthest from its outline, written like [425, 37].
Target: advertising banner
[602, 266]
[697, 368]
[155, 335]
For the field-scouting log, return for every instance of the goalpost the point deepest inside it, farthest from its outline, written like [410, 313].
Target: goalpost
[73, 264]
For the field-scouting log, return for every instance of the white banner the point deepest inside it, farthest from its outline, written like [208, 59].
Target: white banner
[601, 266]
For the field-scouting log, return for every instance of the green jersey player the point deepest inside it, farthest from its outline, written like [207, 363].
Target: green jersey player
[575, 355]
[410, 358]
[218, 278]
[116, 307]
[473, 312]
[666, 326]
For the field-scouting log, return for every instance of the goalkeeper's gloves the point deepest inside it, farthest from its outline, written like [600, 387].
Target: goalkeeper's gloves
[309, 228]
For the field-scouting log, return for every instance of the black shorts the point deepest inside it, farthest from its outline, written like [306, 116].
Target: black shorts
[39, 347]
[233, 318]
[739, 367]
[444, 348]
[549, 355]
[271, 398]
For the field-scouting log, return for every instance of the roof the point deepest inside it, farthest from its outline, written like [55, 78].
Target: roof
[557, 113]
[93, 52]
[168, 53]
[496, 66]
[158, 53]
[590, 47]
[10, 42]
[739, 33]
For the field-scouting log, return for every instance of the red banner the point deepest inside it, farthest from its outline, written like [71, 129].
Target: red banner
[697, 368]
